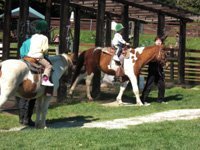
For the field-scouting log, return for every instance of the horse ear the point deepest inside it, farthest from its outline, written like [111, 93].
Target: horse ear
[163, 38]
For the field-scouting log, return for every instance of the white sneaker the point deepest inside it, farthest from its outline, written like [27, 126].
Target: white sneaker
[47, 83]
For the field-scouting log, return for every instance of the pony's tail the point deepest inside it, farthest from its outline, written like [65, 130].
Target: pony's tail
[79, 65]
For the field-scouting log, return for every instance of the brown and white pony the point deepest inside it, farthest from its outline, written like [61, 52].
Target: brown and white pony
[135, 59]
[16, 79]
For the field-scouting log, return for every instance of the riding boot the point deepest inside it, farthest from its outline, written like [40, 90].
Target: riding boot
[29, 112]
[21, 103]
[25, 111]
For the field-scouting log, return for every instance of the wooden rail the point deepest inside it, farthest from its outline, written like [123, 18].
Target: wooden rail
[192, 64]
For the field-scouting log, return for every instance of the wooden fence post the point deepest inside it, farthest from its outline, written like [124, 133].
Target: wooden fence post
[6, 30]
[172, 65]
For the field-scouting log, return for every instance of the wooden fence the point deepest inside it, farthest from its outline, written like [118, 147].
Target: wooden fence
[192, 65]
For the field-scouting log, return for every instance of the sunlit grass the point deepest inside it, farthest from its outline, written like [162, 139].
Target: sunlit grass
[164, 135]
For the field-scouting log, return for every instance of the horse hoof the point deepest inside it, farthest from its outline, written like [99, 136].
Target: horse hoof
[70, 95]
[119, 102]
[90, 100]
[139, 104]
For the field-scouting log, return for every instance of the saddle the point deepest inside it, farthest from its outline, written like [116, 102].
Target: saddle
[33, 65]
[109, 50]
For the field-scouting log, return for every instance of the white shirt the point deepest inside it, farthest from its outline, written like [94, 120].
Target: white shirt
[39, 45]
[118, 39]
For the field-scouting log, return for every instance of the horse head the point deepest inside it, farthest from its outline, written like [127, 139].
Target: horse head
[162, 56]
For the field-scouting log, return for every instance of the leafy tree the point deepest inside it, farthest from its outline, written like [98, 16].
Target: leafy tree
[192, 5]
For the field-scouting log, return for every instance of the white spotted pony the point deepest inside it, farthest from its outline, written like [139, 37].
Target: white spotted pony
[97, 58]
[16, 79]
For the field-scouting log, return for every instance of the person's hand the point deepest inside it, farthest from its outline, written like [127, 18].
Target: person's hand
[128, 44]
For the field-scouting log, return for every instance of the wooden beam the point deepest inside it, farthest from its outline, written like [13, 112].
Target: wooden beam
[108, 30]
[76, 42]
[99, 42]
[100, 23]
[6, 29]
[48, 17]
[107, 12]
[181, 52]
[161, 25]
[136, 34]
[23, 17]
[125, 21]
[132, 3]
[64, 22]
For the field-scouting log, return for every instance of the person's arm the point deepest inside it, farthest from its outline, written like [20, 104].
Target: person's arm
[120, 38]
[45, 46]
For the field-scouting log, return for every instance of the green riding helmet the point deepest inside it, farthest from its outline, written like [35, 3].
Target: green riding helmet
[119, 27]
[41, 26]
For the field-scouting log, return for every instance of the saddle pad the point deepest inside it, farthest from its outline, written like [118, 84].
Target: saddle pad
[108, 50]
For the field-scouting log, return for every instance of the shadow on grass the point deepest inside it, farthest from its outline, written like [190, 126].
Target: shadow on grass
[77, 121]
[176, 97]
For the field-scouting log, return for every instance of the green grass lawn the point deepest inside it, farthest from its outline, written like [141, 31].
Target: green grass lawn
[164, 135]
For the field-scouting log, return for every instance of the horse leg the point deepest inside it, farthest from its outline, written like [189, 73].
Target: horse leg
[134, 84]
[45, 106]
[38, 112]
[122, 89]
[88, 83]
[80, 77]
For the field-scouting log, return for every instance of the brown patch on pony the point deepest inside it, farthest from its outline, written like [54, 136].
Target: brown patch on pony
[103, 63]
[27, 88]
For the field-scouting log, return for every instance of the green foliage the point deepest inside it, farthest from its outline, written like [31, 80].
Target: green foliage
[191, 5]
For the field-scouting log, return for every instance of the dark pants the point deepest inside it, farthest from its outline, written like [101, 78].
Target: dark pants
[155, 76]
[25, 110]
